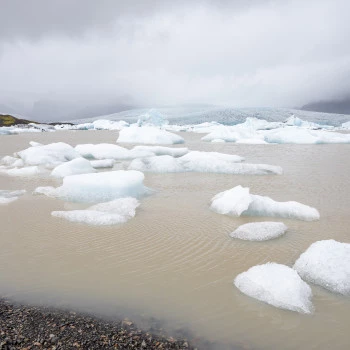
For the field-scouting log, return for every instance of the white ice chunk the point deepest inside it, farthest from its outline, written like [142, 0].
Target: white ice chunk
[75, 166]
[98, 187]
[49, 155]
[148, 135]
[234, 201]
[7, 197]
[259, 231]
[207, 162]
[102, 163]
[152, 118]
[105, 124]
[12, 161]
[110, 151]
[159, 164]
[23, 172]
[346, 125]
[34, 144]
[326, 263]
[162, 151]
[238, 201]
[277, 285]
[114, 212]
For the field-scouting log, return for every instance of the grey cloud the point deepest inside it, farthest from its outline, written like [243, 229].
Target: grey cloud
[242, 53]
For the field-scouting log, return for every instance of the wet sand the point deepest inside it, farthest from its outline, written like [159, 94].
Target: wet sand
[175, 260]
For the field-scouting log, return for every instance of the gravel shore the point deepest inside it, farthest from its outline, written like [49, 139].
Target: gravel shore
[29, 327]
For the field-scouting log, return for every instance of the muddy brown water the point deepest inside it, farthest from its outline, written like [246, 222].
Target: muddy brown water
[175, 260]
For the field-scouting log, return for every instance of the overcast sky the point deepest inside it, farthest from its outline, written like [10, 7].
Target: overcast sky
[238, 53]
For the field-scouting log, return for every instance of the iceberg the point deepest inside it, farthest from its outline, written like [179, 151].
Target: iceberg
[259, 231]
[49, 155]
[238, 201]
[7, 197]
[114, 212]
[207, 162]
[346, 125]
[102, 163]
[148, 135]
[152, 118]
[277, 285]
[22, 172]
[75, 166]
[12, 161]
[98, 187]
[326, 263]
[109, 151]
[162, 151]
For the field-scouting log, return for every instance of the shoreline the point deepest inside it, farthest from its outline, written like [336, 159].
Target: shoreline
[39, 327]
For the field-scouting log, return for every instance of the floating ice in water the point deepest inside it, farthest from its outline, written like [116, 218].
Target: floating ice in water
[98, 187]
[152, 118]
[346, 125]
[114, 212]
[104, 124]
[259, 231]
[24, 172]
[10, 196]
[326, 263]
[209, 162]
[277, 285]
[12, 161]
[109, 151]
[148, 135]
[7, 197]
[102, 163]
[75, 166]
[238, 201]
[49, 155]
[34, 144]
[162, 151]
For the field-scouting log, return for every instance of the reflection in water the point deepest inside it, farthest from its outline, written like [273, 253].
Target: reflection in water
[175, 259]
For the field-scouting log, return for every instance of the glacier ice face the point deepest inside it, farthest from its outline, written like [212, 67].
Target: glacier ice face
[98, 187]
[148, 135]
[114, 212]
[259, 231]
[49, 155]
[162, 151]
[109, 151]
[326, 263]
[238, 201]
[75, 166]
[7, 197]
[152, 118]
[277, 285]
[206, 162]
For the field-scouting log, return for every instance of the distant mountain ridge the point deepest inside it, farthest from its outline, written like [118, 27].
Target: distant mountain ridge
[10, 120]
[331, 106]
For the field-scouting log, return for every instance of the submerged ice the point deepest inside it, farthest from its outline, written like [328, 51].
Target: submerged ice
[277, 285]
[7, 197]
[259, 231]
[238, 201]
[114, 212]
